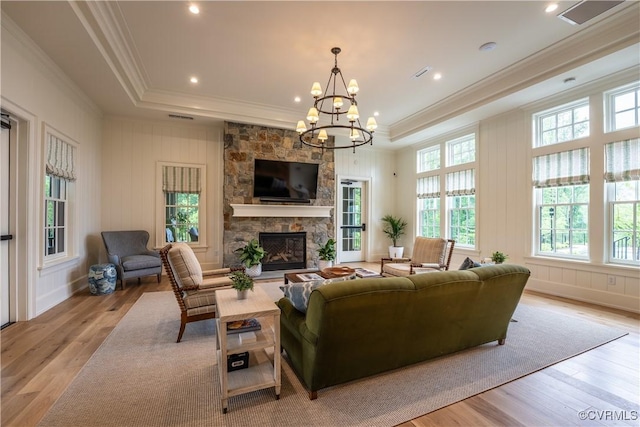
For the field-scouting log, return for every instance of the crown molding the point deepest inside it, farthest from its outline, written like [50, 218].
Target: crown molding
[12, 33]
[105, 25]
[617, 32]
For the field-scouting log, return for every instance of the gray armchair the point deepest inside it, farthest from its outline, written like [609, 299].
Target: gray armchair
[127, 250]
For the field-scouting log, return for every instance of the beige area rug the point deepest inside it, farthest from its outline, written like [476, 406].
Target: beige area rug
[141, 377]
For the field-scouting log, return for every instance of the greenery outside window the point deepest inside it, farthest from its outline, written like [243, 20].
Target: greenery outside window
[55, 225]
[561, 124]
[622, 107]
[562, 203]
[182, 187]
[622, 173]
[446, 195]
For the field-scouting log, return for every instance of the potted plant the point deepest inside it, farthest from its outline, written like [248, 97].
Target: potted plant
[499, 257]
[327, 254]
[394, 228]
[251, 257]
[242, 283]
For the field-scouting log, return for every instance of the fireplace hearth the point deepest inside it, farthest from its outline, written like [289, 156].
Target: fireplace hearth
[285, 251]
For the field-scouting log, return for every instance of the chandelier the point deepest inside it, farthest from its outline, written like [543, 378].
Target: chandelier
[332, 104]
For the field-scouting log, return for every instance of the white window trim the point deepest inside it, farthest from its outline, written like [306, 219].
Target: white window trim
[537, 123]
[608, 96]
[72, 231]
[201, 244]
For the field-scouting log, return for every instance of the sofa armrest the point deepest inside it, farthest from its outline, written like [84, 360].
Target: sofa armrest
[297, 320]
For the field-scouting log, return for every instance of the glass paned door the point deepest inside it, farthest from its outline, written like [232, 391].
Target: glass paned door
[351, 228]
[5, 237]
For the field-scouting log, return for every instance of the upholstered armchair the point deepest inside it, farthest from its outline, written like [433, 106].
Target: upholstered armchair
[127, 250]
[429, 254]
[193, 288]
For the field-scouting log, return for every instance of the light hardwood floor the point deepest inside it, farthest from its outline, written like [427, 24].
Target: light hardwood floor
[40, 358]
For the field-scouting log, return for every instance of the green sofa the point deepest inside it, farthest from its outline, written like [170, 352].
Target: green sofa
[357, 328]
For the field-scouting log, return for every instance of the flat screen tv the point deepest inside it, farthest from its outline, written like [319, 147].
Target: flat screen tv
[277, 180]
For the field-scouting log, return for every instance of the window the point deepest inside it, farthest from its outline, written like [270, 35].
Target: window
[562, 124]
[461, 203]
[622, 107]
[448, 211]
[182, 188]
[429, 206]
[562, 201]
[55, 228]
[622, 173]
[59, 180]
[429, 159]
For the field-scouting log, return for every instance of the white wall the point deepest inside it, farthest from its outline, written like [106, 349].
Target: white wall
[37, 92]
[131, 191]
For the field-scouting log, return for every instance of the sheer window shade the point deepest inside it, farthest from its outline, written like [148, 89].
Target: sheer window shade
[176, 179]
[429, 187]
[461, 183]
[558, 169]
[61, 159]
[622, 161]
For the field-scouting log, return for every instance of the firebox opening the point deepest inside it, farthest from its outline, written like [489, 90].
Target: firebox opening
[285, 251]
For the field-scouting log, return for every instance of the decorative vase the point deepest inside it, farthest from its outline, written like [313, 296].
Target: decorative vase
[396, 251]
[322, 264]
[243, 294]
[254, 270]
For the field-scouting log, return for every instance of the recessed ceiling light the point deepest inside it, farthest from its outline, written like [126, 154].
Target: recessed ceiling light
[194, 9]
[375, 113]
[296, 99]
[488, 46]
[193, 80]
[437, 76]
[551, 7]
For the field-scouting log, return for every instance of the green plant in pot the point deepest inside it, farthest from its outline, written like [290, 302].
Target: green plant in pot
[394, 227]
[499, 257]
[242, 283]
[251, 257]
[327, 254]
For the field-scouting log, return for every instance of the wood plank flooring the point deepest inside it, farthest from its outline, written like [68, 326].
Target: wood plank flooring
[40, 358]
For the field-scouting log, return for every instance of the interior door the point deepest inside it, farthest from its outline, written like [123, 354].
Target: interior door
[351, 229]
[5, 236]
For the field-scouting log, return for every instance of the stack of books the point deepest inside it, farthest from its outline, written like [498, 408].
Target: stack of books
[242, 326]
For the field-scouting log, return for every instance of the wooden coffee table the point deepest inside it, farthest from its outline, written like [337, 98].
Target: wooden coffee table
[327, 273]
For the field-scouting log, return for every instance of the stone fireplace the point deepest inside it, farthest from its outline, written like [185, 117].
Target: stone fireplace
[243, 144]
[285, 251]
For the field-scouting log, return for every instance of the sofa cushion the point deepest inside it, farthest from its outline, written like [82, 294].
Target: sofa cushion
[469, 263]
[186, 267]
[298, 293]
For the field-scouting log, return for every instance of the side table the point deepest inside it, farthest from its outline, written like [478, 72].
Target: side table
[264, 374]
[102, 279]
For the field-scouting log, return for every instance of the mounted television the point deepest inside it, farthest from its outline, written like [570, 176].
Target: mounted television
[282, 181]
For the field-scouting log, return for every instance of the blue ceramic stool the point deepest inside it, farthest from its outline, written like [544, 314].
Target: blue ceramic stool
[102, 279]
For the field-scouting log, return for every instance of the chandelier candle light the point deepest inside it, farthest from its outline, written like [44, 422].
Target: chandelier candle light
[317, 135]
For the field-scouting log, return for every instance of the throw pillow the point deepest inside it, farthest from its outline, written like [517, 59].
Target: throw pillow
[298, 293]
[469, 263]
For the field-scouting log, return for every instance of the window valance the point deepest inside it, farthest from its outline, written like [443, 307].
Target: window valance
[622, 161]
[61, 158]
[177, 179]
[429, 187]
[461, 183]
[558, 169]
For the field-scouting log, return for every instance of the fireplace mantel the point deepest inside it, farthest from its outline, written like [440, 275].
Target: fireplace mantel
[280, 211]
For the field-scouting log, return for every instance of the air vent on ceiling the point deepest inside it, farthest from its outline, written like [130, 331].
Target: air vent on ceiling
[421, 72]
[178, 116]
[586, 10]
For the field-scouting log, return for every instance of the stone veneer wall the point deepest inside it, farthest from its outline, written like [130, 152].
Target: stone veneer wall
[244, 143]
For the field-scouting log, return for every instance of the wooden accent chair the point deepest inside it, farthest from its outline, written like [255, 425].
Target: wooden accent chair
[429, 255]
[193, 288]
